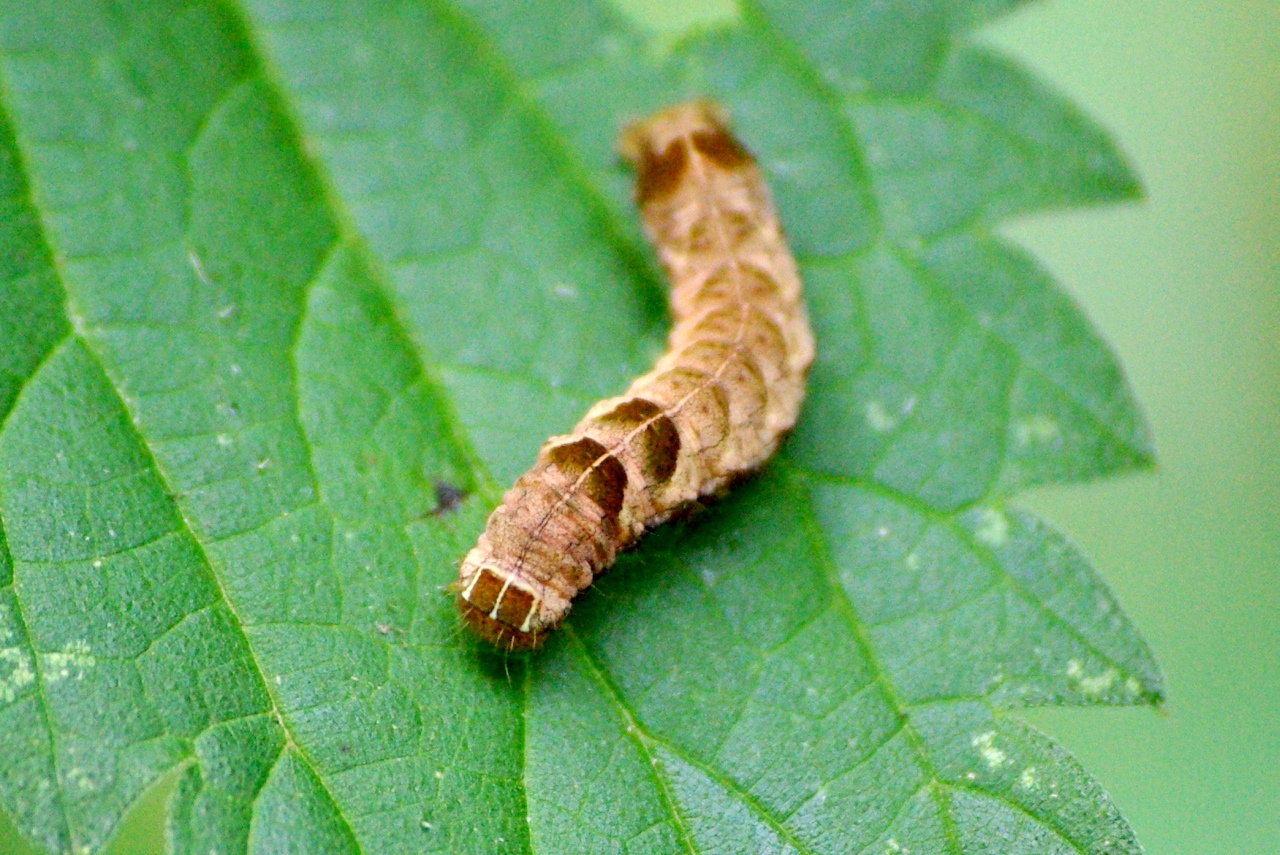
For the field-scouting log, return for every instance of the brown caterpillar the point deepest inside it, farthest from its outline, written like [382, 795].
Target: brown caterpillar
[714, 407]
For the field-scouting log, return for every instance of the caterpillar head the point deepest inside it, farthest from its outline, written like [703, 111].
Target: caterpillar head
[661, 146]
[507, 609]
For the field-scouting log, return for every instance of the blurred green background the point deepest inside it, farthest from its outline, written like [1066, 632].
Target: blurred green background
[1186, 287]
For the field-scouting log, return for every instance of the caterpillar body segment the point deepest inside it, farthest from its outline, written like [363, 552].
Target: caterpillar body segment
[714, 407]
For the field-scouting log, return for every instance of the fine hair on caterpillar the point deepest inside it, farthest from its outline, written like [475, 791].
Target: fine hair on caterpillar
[714, 407]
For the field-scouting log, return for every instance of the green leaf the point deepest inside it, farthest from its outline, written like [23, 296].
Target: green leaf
[281, 280]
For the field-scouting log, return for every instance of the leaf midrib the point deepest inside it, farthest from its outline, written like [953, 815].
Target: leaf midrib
[634, 732]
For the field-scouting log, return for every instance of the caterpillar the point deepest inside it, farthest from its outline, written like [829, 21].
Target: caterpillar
[714, 407]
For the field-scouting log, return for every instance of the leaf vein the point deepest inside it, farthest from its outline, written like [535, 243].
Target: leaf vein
[791, 56]
[845, 605]
[216, 580]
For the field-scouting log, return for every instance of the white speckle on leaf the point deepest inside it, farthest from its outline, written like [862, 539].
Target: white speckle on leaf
[565, 291]
[991, 755]
[20, 673]
[194, 258]
[1099, 684]
[913, 561]
[262, 464]
[1038, 429]
[993, 527]
[77, 323]
[97, 562]
[80, 779]
[224, 439]
[882, 531]
[439, 775]
[1028, 780]
[72, 662]
[893, 847]
[610, 45]
[1091, 685]
[879, 419]
[783, 167]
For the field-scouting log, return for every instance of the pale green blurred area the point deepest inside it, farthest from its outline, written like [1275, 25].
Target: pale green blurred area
[1186, 287]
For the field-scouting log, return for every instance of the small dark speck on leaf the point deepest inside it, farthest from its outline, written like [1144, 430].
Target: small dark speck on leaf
[448, 498]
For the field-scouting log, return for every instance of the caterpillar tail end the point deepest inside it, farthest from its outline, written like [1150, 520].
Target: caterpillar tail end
[501, 635]
[654, 133]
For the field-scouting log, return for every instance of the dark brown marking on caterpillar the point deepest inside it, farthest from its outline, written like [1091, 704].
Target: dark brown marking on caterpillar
[653, 437]
[720, 147]
[597, 472]
[660, 173]
[712, 409]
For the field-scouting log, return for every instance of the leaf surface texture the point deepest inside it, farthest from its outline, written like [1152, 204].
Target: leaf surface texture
[281, 278]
